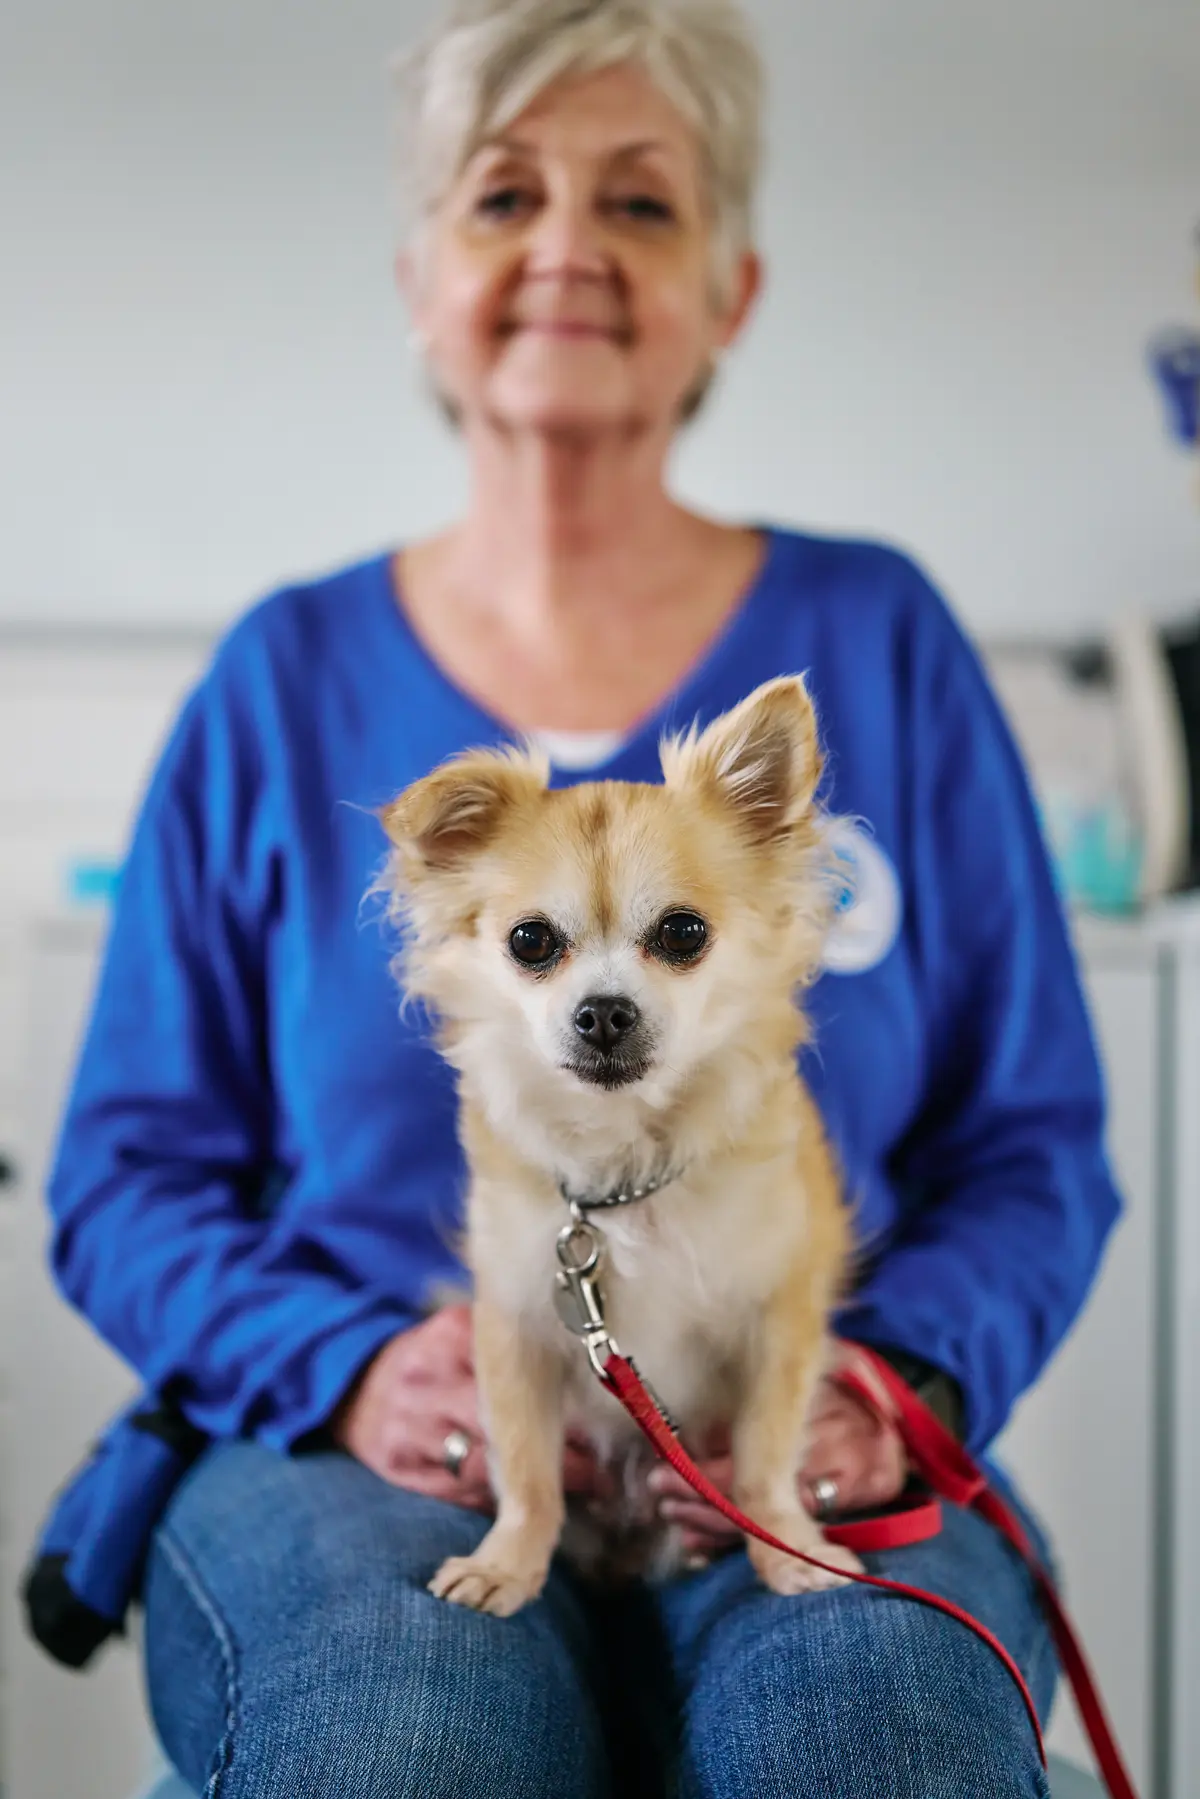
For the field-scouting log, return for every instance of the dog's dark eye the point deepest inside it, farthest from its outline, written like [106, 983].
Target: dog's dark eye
[681, 935]
[533, 943]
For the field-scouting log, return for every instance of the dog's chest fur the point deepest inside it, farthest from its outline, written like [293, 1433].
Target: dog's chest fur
[684, 1275]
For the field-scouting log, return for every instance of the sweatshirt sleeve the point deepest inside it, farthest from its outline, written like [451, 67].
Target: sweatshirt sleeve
[1007, 1192]
[160, 1233]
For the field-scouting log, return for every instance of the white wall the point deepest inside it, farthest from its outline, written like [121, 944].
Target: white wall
[975, 217]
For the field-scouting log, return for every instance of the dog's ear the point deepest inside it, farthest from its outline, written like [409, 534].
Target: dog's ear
[441, 821]
[762, 759]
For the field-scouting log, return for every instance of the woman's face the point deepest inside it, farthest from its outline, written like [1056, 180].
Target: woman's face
[565, 284]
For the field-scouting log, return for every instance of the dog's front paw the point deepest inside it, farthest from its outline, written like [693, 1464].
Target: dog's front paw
[485, 1586]
[786, 1574]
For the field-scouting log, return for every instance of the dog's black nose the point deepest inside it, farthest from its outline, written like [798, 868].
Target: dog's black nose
[606, 1020]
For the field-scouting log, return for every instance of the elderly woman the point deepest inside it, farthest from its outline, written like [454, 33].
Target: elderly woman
[259, 1175]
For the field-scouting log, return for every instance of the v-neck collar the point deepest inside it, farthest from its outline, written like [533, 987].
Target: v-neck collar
[673, 712]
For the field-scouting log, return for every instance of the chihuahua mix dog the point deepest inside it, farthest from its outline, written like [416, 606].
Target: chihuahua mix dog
[615, 971]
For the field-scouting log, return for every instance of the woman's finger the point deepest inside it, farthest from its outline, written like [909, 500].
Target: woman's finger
[868, 1466]
[837, 1428]
[402, 1464]
[418, 1440]
[423, 1456]
[666, 1483]
[452, 1404]
[409, 1462]
[434, 1483]
[419, 1419]
[863, 1475]
[699, 1519]
[419, 1434]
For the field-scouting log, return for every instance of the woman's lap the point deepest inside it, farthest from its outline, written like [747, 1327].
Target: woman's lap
[856, 1693]
[293, 1653]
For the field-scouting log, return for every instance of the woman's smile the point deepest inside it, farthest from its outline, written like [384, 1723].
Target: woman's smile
[567, 329]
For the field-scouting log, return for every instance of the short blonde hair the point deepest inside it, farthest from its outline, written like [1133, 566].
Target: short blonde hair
[487, 60]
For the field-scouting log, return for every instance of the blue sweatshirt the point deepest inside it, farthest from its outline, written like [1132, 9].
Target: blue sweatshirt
[258, 1171]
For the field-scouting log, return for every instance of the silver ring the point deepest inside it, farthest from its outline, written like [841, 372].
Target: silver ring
[456, 1447]
[825, 1496]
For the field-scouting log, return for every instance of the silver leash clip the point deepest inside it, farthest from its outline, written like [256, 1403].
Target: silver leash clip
[577, 1296]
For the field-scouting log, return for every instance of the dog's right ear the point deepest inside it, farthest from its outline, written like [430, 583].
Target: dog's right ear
[442, 820]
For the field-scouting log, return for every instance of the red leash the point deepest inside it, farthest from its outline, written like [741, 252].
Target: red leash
[945, 1464]
[950, 1471]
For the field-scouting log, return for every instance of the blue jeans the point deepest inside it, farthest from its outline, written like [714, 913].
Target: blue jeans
[293, 1653]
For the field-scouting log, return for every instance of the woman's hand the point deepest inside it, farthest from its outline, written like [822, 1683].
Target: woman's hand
[419, 1388]
[848, 1444]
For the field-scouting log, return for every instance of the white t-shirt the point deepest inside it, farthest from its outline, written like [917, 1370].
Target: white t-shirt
[578, 749]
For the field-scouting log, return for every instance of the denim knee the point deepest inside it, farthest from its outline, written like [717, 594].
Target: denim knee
[194, 1715]
[304, 1659]
[854, 1695]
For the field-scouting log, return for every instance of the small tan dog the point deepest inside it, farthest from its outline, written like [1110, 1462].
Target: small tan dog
[615, 969]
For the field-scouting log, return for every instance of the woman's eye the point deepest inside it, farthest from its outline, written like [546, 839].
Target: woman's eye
[681, 935]
[533, 943]
[503, 202]
[646, 209]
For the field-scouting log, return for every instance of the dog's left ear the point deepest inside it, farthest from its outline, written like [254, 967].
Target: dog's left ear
[441, 821]
[762, 760]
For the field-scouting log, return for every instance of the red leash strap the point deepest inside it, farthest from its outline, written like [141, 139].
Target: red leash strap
[916, 1521]
[950, 1471]
[948, 1468]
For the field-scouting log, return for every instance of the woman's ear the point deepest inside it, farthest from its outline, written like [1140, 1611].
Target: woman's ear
[761, 761]
[740, 297]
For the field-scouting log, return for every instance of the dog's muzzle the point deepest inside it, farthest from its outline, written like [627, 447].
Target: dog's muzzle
[610, 1071]
[611, 1046]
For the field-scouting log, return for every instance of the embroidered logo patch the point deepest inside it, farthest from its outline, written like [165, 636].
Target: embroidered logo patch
[868, 901]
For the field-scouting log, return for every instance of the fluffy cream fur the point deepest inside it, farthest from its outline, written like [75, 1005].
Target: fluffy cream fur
[721, 1285]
